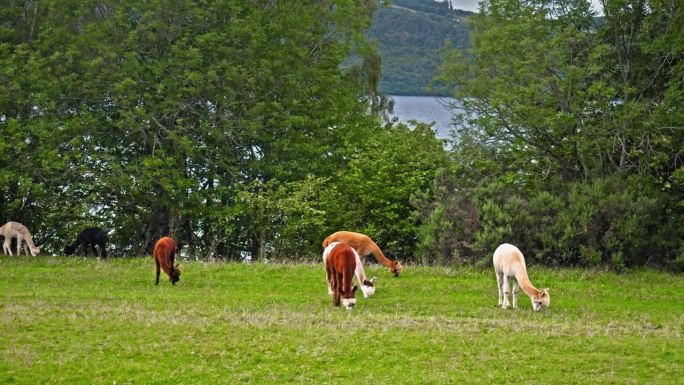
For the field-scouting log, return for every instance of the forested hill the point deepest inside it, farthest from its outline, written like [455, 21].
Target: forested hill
[410, 33]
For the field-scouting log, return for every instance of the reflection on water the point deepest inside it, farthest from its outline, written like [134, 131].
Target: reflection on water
[424, 109]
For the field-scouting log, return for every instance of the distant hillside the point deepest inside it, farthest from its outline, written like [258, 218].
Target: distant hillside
[410, 33]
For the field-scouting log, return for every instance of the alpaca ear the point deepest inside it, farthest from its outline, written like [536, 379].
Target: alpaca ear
[354, 288]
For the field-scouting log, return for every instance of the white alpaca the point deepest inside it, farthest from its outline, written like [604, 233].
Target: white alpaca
[510, 263]
[367, 287]
[16, 230]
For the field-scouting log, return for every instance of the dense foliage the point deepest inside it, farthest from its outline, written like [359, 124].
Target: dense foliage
[254, 129]
[410, 33]
[239, 128]
[570, 142]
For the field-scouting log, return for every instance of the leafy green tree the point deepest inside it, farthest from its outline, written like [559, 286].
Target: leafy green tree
[379, 182]
[154, 118]
[564, 145]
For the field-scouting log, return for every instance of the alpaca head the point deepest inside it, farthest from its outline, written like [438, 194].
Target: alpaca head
[69, 249]
[174, 276]
[35, 251]
[395, 269]
[349, 299]
[542, 300]
[368, 287]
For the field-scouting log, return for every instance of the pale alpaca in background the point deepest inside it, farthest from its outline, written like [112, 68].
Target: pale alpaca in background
[509, 262]
[16, 230]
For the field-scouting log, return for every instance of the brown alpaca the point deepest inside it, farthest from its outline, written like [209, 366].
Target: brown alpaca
[367, 286]
[340, 267]
[164, 255]
[364, 246]
[16, 230]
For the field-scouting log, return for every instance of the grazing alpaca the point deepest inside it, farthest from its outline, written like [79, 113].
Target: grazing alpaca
[164, 255]
[89, 237]
[340, 267]
[509, 262]
[367, 287]
[16, 230]
[364, 246]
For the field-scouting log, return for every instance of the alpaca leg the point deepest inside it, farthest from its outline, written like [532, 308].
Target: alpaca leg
[7, 246]
[95, 253]
[20, 242]
[516, 286]
[172, 259]
[21, 246]
[336, 288]
[339, 288]
[506, 292]
[156, 261]
[103, 249]
[499, 285]
[329, 278]
[84, 250]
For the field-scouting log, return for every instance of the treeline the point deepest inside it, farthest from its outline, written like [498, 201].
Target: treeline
[241, 129]
[409, 35]
[254, 129]
[571, 139]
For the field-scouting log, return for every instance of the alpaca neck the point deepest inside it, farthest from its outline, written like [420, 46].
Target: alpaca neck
[360, 273]
[29, 242]
[525, 284]
[168, 269]
[379, 256]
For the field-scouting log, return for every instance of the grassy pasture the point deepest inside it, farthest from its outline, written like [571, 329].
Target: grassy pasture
[69, 320]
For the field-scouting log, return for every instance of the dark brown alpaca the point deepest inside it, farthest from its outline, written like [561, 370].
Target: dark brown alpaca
[164, 256]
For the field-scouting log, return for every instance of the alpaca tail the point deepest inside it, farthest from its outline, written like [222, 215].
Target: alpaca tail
[326, 241]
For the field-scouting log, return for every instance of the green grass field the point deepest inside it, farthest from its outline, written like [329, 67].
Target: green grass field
[69, 320]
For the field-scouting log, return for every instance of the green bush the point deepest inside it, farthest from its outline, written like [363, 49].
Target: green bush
[616, 222]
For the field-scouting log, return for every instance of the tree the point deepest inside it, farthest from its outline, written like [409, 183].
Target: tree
[155, 118]
[559, 105]
[377, 186]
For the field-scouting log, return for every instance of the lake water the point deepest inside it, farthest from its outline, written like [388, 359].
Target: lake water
[424, 109]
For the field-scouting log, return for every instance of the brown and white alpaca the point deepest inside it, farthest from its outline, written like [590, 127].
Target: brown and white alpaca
[16, 230]
[509, 262]
[340, 267]
[367, 286]
[364, 246]
[164, 255]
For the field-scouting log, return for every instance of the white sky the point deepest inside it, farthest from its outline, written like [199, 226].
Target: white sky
[471, 5]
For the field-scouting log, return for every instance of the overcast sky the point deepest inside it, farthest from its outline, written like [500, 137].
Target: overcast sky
[471, 5]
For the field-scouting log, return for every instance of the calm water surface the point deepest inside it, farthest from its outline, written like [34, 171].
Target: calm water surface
[424, 109]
